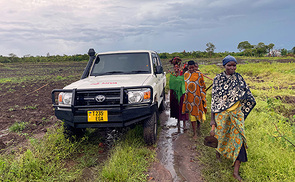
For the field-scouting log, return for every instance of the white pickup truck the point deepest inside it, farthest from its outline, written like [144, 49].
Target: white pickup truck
[116, 90]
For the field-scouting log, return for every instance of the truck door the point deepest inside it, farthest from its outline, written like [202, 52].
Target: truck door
[158, 70]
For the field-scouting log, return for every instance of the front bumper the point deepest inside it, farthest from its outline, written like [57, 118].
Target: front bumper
[121, 114]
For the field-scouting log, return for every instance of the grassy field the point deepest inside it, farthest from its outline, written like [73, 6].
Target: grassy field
[269, 128]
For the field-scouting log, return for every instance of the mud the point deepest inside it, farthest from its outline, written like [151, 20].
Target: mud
[176, 154]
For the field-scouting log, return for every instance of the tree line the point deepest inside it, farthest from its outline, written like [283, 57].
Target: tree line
[245, 48]
[12, 58]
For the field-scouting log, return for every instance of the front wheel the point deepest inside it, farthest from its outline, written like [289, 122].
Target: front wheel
[163, 103]
[72, 133]
[150, 129]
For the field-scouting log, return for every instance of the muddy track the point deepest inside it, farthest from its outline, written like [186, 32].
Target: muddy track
[176, 153]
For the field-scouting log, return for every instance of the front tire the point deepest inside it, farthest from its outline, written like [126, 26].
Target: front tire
[150, 129]
[163, 103]
[72, 133]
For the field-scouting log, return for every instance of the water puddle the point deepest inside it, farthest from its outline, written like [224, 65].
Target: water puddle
[170, 132]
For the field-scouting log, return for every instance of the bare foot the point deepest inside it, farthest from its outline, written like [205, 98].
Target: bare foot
[237, 176]
[195, 136]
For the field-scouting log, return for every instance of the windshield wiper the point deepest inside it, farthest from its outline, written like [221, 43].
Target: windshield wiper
[113, 72]
[107, 73]
[138, 71]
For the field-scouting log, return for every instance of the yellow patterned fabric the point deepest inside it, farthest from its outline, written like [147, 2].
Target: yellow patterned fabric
[230, 132]
[234, 107]
[195, 95]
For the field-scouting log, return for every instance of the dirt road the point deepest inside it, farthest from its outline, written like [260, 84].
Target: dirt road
[176, 155]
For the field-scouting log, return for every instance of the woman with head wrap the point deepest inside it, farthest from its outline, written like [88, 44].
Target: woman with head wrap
[176, 85]
[231, 103]
[195, 96]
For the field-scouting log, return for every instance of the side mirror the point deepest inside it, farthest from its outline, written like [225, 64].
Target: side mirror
[159, 69]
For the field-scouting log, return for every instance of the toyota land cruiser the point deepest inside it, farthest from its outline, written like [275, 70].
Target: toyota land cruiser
[116, 90]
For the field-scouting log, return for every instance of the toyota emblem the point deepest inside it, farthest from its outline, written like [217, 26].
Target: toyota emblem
[100, 98]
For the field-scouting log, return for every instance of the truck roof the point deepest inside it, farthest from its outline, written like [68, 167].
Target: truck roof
[126, 51]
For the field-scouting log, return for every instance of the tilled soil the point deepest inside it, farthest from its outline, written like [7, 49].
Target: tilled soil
[26, 98]
[28, 103]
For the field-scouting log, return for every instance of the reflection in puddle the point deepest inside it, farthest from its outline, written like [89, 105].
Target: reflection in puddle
[169, 133]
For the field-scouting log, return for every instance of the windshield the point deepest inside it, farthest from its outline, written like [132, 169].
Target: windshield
[124, 63]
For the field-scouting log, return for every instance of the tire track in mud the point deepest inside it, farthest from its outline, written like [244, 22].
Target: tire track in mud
[176, 155]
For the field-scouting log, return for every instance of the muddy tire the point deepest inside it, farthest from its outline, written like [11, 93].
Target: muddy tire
[163, 103]
[150, 129]
[72, 133]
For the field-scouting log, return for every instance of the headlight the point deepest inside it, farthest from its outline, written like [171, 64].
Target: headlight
[65, 98]
[139, 96]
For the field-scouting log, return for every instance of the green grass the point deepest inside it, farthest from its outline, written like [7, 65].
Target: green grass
[266, 58]
[129, 160]
[43, 160]
[55, 158]
[17, 126]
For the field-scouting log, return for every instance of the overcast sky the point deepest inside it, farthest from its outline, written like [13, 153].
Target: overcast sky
[58, 27]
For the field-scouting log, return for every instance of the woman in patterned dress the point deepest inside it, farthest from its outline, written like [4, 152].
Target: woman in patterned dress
[231, 103]
[195, 97]
[177, 89]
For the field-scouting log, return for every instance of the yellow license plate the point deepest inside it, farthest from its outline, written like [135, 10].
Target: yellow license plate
[97, 116]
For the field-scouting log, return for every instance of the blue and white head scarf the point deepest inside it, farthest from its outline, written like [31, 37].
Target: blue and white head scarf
[227, 59]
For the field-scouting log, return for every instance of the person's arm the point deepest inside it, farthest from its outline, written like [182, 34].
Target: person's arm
[213, 124]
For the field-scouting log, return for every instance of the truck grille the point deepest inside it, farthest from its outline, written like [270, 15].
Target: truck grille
[111, 97]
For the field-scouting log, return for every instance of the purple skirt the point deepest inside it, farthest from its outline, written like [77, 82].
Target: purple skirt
[176, 108]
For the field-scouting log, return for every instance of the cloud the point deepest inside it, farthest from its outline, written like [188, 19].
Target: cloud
[69, 27]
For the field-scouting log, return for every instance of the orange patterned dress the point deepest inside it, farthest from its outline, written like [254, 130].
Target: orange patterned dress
[195, 95]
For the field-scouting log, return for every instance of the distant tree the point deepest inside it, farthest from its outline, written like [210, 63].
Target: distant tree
[13, 57]
[164, 55]
[244, 45]
[270, 47]
[284, 52]
[261, 49]
[293, 50]
[27, 55]
[198, 54]
[210, 48]
[248, 52]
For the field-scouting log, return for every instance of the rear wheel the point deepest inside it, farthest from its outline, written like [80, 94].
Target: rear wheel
[150, 129]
